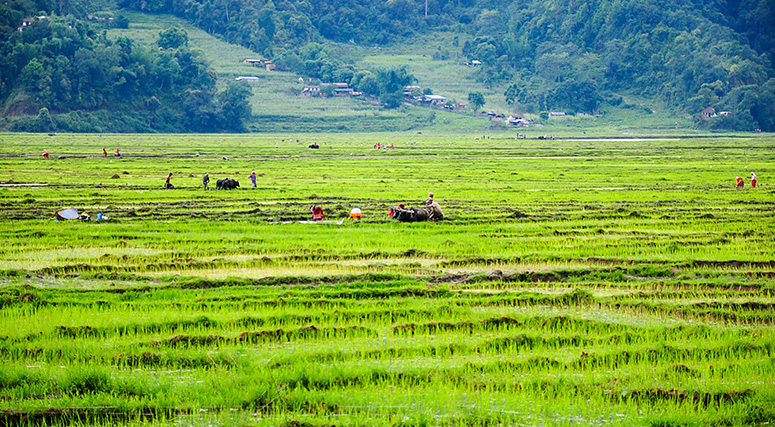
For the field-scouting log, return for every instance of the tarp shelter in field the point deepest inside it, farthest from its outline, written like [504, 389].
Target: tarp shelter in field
[69, 213]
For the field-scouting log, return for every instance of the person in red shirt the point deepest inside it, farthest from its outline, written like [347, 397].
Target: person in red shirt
[317, 212]
[740, 182]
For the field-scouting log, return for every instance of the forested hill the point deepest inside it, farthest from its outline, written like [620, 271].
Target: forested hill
[569, 54]
[61, 73]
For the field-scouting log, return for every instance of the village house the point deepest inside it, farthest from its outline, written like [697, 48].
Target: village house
[557, 113]
[310, 91]
[709, 112]
[492, 114]
[28, 21]
[517, 120]
[342, 89]
[412, 91]
[434, 100]
[256, 62]
[260, 63]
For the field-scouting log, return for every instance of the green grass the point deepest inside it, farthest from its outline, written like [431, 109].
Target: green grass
[617, 282]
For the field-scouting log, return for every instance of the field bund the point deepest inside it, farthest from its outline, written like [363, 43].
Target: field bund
[573, 282]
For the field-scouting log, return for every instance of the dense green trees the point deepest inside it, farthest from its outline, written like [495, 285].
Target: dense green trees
[554, 54]
[66, 72]
[566, 54]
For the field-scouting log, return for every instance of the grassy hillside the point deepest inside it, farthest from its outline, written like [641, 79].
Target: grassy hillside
[277, 109]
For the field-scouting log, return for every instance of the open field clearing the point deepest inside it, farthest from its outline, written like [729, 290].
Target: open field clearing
[577, 282]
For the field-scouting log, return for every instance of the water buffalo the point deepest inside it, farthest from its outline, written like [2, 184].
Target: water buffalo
[226, 184]
[408, 214]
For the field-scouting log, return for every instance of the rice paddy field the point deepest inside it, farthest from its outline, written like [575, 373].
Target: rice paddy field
[576, 282]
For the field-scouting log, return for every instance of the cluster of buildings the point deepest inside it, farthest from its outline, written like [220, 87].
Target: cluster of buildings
[339, 89]
[412, 93]
[264, 63]
[28, 21]
[415, 94]
[516, 120]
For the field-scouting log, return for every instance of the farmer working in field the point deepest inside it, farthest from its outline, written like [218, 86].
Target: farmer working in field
[356, 214]
[740, 182]
[753, 180]
[253, 178]
[317, 212]
[206, 180]
[434, 211]
[168, 185]
[45, 154]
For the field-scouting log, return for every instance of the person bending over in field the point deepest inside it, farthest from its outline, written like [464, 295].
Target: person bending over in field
[206, 180]
[356, 213]
[317, 212]
[434, 211]
[168, 185]
[740, 182]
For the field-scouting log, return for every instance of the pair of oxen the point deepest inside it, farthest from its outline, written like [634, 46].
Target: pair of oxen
[403, 214]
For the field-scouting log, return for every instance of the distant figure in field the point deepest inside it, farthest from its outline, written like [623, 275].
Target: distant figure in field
[317, 212]
[168, 185]
[314, 145]
[740, 182]
[429, 200]
[753, 180]
[252, 177]
[45, 154]
[434, 211]
[104, 152]
[206, 180]
[118, 152]
[356, 213]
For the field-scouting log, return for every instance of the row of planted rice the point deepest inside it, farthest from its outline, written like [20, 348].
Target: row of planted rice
[476, 350]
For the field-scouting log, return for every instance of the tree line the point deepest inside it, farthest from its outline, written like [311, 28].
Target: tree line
[551, 54]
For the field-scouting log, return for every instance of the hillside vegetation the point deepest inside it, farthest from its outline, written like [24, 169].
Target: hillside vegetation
[554, 54]
[63, 73]
[536, 56]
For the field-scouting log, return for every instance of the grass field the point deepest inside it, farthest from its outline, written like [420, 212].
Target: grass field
[573, 282]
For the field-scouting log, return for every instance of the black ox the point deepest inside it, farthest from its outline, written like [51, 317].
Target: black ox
[226, 184]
